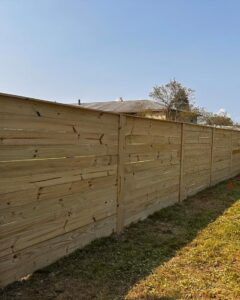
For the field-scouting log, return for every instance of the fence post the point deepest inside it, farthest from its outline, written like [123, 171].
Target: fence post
[120, 174]
[231, 162]
[181, 196]
[211, 159]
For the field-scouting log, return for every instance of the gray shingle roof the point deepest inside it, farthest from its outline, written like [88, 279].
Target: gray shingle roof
[126, 106]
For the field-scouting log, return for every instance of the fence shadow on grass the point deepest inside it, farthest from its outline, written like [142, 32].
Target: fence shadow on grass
[109, 267]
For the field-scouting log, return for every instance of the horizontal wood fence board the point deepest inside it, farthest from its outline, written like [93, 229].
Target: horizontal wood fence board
[137, 214]
[21, 263]
[25, 197]
[152, 165]
[133, 149]
[197, 159]
[48, 179]
[48, 126]
[235, 153]
[155, 186]
[152, 156]
[221, 175]
[53, 110]
[69, 175]
[66, 214]
[138, 126]
[151, 139]
[58, 175]
[44, 166]
[148, 199]
[22, 152]
[144, 178]
[222, 155]
[28, 138]
[54, 196]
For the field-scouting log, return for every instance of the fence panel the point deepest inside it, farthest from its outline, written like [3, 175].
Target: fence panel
[151, 166]
[197, 153]
[235, 165]
[222, 155]
[69, 175]
[58, 173]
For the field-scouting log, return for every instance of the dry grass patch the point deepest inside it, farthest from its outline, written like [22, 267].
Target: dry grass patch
[207, 268]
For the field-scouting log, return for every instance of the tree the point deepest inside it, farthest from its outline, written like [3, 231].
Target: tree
[212, 119]
[173, 95]
[220, 120]
[181, 100]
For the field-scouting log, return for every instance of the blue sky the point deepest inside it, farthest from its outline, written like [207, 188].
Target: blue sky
[103, 49]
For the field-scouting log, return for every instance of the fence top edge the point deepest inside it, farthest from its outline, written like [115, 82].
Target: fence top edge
[180, 123]
[53, 102]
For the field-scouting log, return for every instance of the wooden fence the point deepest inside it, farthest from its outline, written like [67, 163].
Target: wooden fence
[69, 175]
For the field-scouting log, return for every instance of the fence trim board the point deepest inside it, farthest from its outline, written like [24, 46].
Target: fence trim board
[181, 196]
[120, 176]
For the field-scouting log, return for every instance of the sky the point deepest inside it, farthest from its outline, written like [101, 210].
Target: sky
[100, 50]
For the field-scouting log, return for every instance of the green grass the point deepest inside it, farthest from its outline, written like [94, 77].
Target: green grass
[188, 251]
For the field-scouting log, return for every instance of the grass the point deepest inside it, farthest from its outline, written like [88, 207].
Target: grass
[187, 251]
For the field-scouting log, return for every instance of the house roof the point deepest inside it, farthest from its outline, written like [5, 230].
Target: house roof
[126, 106]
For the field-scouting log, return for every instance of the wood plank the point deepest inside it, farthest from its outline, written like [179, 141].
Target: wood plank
[15, 201]
[151, 139]
[136, 214]
[48, 179]
[70, 213]
[152, 164]
[36, 137]
[159, 187]
[132, 183]
[152, 156]
[151, 127]
[41, 109]
[24, 152]
[24, 262]
[46, 166]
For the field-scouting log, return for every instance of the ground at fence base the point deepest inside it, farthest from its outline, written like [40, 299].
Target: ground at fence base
[187, 251]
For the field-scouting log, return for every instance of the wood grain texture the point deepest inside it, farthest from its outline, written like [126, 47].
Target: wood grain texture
[58, 180]
[196, 159]
[222, 155]
[120, 173]
[181, 186]
[151, 166]
[21, 263]
[69, 175]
